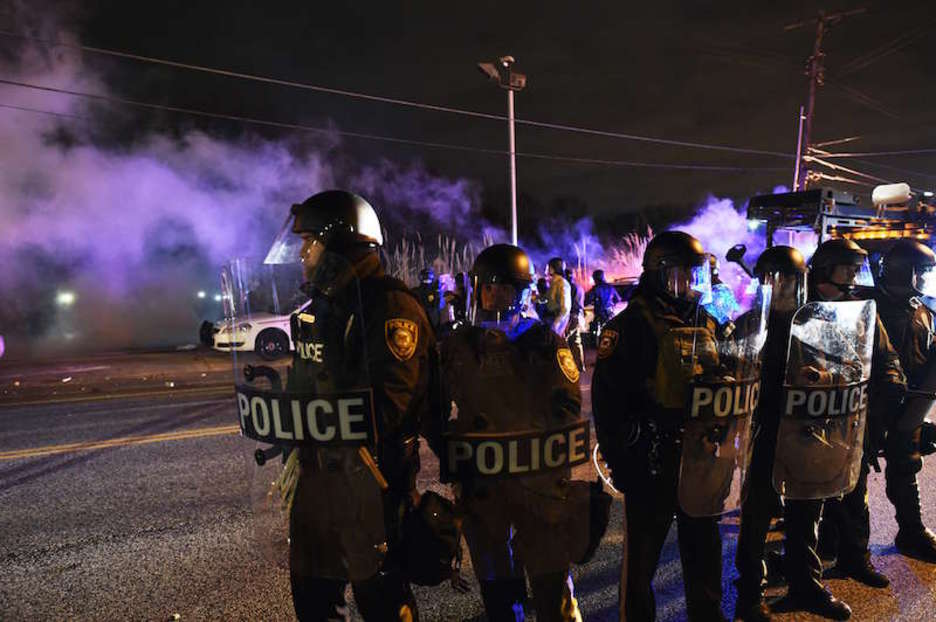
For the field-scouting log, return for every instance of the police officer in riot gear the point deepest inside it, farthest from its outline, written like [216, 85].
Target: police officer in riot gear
[783, 269]
[510, 379]
[639, 434]
[839, 271]
[341, 228]
[429, 294]
[907, 272]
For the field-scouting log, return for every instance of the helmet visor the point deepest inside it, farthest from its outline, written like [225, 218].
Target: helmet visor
[693, 283]
[497, 305]
[286, 247]
[858, 274]
[924, 281]
[787, 291]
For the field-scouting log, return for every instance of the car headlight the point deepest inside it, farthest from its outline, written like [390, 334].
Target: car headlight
[243, 327]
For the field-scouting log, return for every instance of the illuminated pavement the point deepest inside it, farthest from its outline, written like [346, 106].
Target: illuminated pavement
[135, 508]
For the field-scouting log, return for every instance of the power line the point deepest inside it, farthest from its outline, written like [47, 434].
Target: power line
[295, 126]
[869, 154]
[391, 100]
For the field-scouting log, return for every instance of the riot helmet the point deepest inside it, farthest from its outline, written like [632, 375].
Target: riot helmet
[426, 276]
[783, 269]
[909, 266]
[598, 276]
[501, 283]
[841, 263]
[677, 267]
[335, 222]
[556, 265]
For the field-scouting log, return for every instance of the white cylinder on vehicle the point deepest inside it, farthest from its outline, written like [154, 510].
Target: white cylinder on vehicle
[890, 194]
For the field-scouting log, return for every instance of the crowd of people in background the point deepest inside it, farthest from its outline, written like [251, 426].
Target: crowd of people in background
[558, 300]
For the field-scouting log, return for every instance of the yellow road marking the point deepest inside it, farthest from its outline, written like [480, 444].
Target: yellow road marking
[49, 450]
[96, 397]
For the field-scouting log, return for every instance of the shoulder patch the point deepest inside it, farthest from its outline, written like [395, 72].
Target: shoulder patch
[401, 336]
[607, 342]
[567, 364]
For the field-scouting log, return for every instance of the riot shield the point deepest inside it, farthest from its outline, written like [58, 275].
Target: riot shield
[723, 392]
[825, 400]
[308, 418]
[517, 447]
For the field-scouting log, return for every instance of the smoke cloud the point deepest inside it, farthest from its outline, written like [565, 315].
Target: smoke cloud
[131, 233]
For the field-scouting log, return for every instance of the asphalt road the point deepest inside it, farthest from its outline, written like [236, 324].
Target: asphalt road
[136, 509]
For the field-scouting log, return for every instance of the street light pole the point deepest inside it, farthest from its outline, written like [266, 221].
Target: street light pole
[511, 81]
[512, 166]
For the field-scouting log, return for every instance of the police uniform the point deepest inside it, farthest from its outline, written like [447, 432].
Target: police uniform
[498, 386]
[639, 434]
[399, 344]
[845, 526]
[762, 503]
[910, 324]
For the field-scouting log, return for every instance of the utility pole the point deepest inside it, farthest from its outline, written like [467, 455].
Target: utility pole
[511, 81]
[815, 70]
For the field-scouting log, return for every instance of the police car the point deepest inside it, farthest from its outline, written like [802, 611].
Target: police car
[267, 334]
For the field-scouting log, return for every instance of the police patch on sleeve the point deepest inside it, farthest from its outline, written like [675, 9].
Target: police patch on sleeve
[567, 364]
[401, 337]
[607, 343]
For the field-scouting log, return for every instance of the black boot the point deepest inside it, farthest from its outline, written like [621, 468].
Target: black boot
[863, 571]
[752, 611]
[918, 543]
[822, 603]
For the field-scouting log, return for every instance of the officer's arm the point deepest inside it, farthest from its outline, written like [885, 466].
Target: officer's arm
[400, 376]
[619, 395]
[888, 383]
[566, 396]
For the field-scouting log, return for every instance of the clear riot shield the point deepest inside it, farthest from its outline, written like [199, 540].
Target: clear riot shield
[825, 400]
[723, 392]
[518, 449]
[307, 417]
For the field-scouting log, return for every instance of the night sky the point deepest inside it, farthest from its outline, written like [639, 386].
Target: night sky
[725, 74]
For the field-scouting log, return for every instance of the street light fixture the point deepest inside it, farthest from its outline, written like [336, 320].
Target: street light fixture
[511, 81]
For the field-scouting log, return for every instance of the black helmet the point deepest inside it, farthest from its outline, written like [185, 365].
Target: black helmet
[557, 265]
[673, 248]
[838, 252]
[598, 276]
[780, 259]
[501, 264]
[905, 262]
[340, 218]
[783, 269]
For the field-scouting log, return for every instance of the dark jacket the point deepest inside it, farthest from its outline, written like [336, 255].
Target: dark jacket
[624, 385]
[603, 297]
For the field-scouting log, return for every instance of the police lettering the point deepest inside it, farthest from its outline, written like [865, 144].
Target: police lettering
[724, 400]
[493, 456]
[299, 419]
[826, 402]
[309, 351]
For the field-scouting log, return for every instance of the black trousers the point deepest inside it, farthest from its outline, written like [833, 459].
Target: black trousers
[904, 461]
[385, 597]
[649, 518]
[801, 518]
[846, 523]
